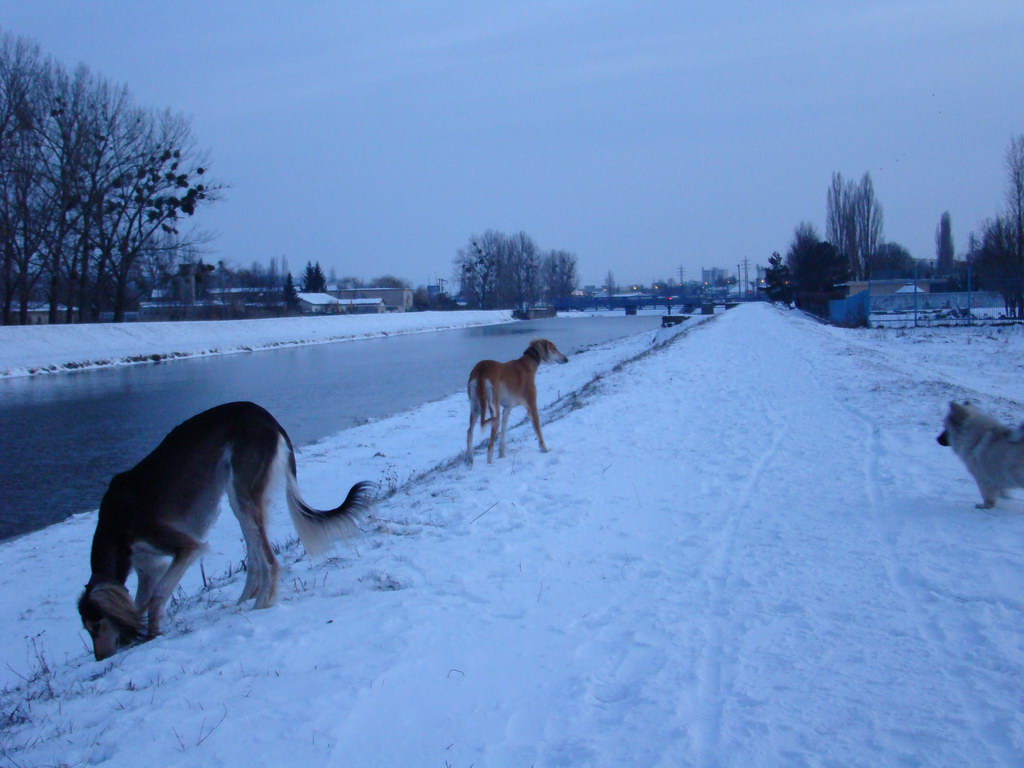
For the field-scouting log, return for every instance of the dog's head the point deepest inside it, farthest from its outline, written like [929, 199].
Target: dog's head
[546, 352]
[955, 422]
[109, 616]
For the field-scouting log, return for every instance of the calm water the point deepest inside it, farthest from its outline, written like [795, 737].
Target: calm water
[62, 437]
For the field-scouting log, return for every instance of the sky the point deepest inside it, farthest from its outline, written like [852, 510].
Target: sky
[646, 138]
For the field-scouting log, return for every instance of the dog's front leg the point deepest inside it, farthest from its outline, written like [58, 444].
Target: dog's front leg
[184, 555]
[535, 418]
[988, 496]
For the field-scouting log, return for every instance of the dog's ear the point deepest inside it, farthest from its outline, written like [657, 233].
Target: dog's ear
[112, 601]
[958, 413]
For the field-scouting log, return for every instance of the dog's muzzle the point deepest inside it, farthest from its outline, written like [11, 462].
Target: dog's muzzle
[943, 439]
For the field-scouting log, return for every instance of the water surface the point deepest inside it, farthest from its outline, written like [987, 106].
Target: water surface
[62, 437]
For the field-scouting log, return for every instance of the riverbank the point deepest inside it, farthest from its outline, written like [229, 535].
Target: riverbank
[745, 548]
[31, 350]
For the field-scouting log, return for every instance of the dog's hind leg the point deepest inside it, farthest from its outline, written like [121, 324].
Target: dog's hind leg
[495, 426]
[254, 570]
[474, 414]
[493, 405]
[254, 467]
[261, 568]
[261, 565]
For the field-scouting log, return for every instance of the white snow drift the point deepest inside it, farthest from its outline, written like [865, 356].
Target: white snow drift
[28, 350]
[745, 549]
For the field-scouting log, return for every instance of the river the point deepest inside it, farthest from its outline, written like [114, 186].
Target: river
[63, 437]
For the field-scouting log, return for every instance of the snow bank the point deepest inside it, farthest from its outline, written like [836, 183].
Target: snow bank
[744, 549]
[27, 350]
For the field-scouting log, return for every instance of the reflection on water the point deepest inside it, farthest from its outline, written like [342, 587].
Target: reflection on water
[62, 437]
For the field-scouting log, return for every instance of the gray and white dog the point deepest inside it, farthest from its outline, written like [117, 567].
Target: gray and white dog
[992, 452]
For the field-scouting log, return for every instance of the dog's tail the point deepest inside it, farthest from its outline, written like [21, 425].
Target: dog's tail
[483, 401]
[320, 528]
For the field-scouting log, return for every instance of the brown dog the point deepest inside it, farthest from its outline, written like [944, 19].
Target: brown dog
[161, 509]
[495, 388]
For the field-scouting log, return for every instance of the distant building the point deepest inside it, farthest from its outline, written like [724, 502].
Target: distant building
[216, 304]
[395, 299]
[319, 304]
[888, 287]
[713, 276]
[363, 306]
[327, 304]
[39, 313]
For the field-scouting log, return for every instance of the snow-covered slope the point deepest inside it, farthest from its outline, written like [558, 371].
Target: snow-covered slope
[745, 549]
[27, 350]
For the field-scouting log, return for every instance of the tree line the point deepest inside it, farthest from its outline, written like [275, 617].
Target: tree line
[996, 250]
[854, 246]
[93, 189]
[499, 271]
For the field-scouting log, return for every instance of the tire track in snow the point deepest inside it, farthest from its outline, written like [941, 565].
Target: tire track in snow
[722, 629]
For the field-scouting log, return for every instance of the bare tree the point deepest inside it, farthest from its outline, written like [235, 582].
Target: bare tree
[497, 270]
[995, 258]
[558, 275]
[389, 281]
[476, 268]
[89, 185]
[840, 223]
[867, 214]
[519, 267]
[66, 137]
[853, 222]
[1015, 195]
[1010, 240]
[21, 199]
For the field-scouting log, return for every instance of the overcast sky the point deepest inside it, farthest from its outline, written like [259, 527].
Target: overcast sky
[376, 137]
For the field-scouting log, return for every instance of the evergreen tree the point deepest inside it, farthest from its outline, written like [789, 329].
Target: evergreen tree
[817, 266]
[291, 296]
[778, 280]
[313, 278]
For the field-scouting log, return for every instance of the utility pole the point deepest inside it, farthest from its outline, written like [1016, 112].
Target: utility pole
[746, 273]
[682, 273]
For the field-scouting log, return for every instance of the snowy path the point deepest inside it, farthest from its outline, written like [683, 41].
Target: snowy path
[745, 549]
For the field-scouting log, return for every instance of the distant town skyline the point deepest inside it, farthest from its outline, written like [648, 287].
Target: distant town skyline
[376, 138]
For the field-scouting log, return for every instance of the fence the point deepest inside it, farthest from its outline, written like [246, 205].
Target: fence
[852, 311]
[907, 309]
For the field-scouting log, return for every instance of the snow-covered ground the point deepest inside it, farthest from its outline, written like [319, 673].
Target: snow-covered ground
[744, 549]
[27, 350]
